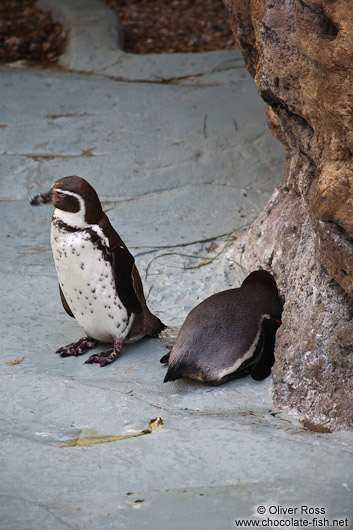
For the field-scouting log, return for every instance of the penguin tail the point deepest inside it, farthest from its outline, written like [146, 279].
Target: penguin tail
[155, 326]
[175, 372]
[165, 359]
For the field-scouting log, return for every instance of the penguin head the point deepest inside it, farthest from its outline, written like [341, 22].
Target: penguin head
[75, 200]
[261, 276]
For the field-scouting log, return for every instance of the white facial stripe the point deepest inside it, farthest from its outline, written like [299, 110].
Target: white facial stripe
[77, 196]
[71, 218]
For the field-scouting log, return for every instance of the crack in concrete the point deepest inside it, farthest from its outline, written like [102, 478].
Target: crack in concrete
[44, 156]
[68, 115]
[189, 185]
[114, 63]
[42, 506]
[156, 248]
[159, 80]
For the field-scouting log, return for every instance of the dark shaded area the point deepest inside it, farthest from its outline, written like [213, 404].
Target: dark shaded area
[28, 34]
[164, 26]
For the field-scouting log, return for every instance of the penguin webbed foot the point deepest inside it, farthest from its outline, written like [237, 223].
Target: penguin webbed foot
[77, 348]
[107, 357]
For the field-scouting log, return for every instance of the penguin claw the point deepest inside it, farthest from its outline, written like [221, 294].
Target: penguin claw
[77, 348]
[106, 357]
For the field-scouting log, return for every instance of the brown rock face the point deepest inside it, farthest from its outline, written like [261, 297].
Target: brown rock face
[300, 53]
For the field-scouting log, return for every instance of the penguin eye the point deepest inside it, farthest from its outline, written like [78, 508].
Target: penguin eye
[59, 196]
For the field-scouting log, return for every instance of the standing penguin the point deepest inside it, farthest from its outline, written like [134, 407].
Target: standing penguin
[99, 283]
[229, 335]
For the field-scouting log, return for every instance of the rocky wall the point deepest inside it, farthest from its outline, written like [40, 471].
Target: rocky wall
[300, 53]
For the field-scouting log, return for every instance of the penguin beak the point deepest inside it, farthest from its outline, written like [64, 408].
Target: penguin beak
[41, 198]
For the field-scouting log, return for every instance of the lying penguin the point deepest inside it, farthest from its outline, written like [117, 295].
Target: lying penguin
[99, 283]
[229, 335]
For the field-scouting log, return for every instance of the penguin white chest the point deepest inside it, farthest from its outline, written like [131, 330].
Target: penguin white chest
[86, 279]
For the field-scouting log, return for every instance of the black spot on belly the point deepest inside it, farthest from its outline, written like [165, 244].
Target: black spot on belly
[80, 292]
[118, 325]
[86, 297]
[82, 266]
[110, 315]
[119, 306]
[93, 290]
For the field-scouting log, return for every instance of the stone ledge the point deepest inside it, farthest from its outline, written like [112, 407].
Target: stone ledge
[94, 45]
[95, 35]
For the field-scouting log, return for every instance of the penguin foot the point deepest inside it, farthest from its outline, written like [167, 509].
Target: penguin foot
[77, 348]
[107, 357]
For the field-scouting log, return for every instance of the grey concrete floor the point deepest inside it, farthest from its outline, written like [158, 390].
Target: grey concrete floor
[182, 168]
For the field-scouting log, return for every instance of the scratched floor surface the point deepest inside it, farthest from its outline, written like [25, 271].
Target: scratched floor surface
[182, 168]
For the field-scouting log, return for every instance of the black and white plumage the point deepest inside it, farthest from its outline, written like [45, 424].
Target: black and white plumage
[229, 335]
[98, 281]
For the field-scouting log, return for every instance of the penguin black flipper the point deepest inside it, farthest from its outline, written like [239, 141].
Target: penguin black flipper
[65, 304]
[262, 368]
[122, 264]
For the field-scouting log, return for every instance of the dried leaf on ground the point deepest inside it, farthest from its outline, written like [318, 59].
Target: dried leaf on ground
[90, 437]
[16, 361]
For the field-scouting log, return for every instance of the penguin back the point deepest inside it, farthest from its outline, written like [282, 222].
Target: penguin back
[225, 335]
